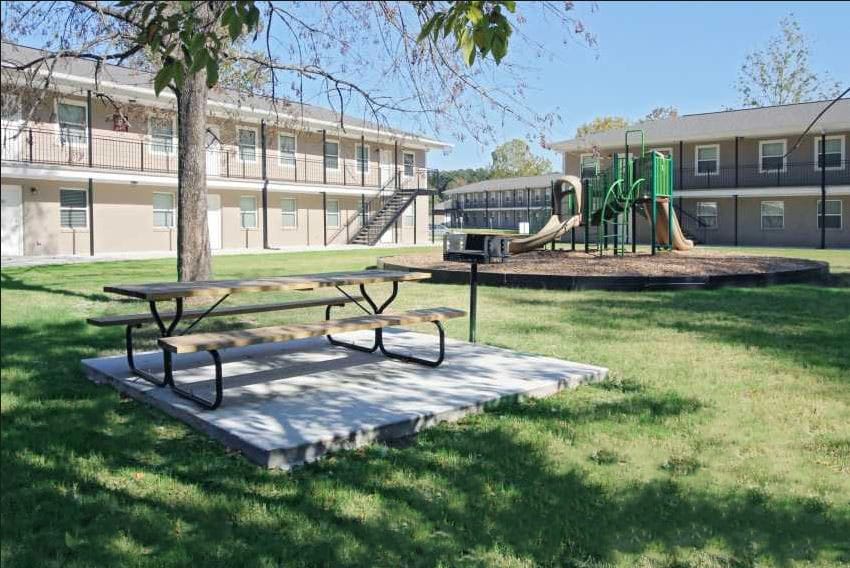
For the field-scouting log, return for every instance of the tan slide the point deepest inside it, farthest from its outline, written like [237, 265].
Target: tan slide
[554, 227]
[679, 240]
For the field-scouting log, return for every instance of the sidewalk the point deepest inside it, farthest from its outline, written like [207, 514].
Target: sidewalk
[25, 261]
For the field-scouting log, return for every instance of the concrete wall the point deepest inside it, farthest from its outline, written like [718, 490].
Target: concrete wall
[123, 220]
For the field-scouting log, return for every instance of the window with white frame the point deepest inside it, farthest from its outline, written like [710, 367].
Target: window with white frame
[289, 213]
[247, 145]
[408, 218]
[287, 147]
[362, 156]
[707, 159]
[332, 213]
[248, 212]
[163, 210]
[73, 209]
[707, 214]
[588, 164]
[771, 155]
[772, 215]
[831, 218]
[409, 163]
[834, 154]
[162, 135]
[332, 155]
[73, 123]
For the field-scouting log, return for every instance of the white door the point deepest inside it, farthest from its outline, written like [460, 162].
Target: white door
[214, 220]
[213, 151]
[387, 164]
[12, 221]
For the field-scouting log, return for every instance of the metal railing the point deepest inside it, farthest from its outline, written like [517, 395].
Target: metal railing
[754, 175]
[133, 153]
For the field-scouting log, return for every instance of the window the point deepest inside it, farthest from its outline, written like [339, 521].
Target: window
[72, 123]
[289, 213]
[73, 209]
[772, 215]
[332, 214]
[409, 163]
[588, 164]
[332, 155]
[707, 214]
[163, 210]
[362, 156]
[248, 212]
[834, 153]
[287, 145]
[408, 218]
[771, 155]
[162, 135]
[10, 107]
[707, 159]
[832, 215]
[247, 145]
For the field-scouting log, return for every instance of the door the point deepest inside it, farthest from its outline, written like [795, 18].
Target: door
[12, 220]
[214, 220]
[213, 151]
[387, 169]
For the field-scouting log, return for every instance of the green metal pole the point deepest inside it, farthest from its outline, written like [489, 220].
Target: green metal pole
[670, 204]
[654, 215]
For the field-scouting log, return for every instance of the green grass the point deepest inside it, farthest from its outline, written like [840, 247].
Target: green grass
[721, 439]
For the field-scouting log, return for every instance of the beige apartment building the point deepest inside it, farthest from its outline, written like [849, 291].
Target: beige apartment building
[90, 168]
[738, 177]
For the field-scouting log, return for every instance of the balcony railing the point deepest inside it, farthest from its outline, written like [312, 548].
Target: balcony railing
[753, 175]
[134, 154]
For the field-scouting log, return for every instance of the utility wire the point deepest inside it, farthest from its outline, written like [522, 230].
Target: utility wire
[809, 127]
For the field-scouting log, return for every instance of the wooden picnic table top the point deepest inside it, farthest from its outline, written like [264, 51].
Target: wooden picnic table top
[302, 282]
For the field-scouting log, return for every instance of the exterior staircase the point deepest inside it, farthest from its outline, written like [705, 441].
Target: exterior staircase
[387, 210]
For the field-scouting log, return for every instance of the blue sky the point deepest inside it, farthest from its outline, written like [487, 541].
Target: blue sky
[658, 54]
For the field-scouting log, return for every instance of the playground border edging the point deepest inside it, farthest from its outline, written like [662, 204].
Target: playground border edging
[816, 273]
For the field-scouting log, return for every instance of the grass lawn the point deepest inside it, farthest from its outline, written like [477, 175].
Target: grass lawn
[722, 439]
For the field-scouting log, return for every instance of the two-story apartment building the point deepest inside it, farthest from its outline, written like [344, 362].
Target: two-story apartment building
[504, 204]
[738, 177]
[90, 167]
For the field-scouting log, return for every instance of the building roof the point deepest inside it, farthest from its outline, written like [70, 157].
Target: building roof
[506, 184]
[711, 126]
[139, 83]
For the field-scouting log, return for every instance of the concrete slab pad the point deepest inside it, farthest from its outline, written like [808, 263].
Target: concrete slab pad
[287, 404]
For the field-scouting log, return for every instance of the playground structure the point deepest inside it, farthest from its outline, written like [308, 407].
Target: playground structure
[606, 206]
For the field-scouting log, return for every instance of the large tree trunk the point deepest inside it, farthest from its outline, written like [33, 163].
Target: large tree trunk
[193, 242]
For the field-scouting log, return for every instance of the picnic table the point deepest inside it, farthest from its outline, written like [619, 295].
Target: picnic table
[173, 340]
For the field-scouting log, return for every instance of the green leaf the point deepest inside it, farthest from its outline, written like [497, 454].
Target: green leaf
[427, 28]
[234, 27]
[163, 77]
[212, 72]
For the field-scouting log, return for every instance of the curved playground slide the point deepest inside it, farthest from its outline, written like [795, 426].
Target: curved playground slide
[679, 240]
[554, 227]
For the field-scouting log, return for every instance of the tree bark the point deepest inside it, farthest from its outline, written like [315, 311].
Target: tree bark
[193, 243]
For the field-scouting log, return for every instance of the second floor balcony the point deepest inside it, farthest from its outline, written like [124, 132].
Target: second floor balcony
[791, 174]
[131, 154]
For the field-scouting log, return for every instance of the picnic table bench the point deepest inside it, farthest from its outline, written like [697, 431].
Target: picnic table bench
[173, 342]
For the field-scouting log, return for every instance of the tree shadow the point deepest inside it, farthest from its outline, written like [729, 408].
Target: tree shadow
[93, 479]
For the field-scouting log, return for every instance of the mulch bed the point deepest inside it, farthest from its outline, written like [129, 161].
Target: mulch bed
[577, 263]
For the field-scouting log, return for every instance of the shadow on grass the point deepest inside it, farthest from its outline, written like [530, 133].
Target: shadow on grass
[91, 479]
